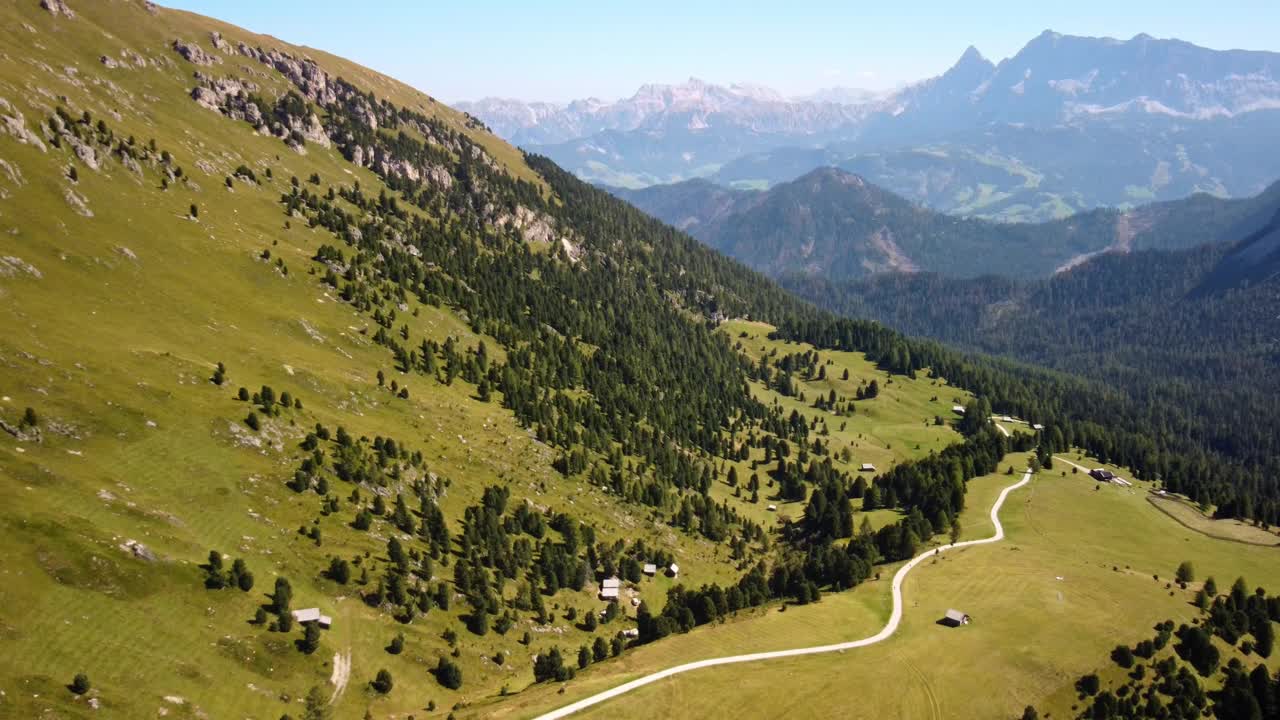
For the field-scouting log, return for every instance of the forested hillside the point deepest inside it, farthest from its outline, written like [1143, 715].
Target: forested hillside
[1194, 330]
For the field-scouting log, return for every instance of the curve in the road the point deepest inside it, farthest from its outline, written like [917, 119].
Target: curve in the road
[895, 617]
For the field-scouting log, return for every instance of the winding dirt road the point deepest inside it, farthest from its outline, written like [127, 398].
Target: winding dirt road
[890, 627]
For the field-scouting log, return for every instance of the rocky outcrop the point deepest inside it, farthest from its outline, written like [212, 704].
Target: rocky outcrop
[533, 226]
[439, 175]
[13, 122]
[215, 38]
[109, 62]
[194, 54]
[230, 97]
[379, 161]
[313, 131]
[363, 113]
[87, 154]
[58, 8]
[314, 83]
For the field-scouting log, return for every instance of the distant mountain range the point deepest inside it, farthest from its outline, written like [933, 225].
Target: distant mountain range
[836, 225]
[694, 105]
[1066, 124]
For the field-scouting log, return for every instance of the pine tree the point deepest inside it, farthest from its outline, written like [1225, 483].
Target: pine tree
[317, 705]
[1186, 572]
[448, 674]
[310, 637]
[282, 597]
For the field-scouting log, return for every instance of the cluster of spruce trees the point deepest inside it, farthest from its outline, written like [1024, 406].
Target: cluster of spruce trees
[1157, 685]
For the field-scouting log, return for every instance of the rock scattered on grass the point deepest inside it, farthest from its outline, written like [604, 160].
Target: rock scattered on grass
[78, 202]
[58, 8]
[14, 123]
[11, 265]
[138, 550]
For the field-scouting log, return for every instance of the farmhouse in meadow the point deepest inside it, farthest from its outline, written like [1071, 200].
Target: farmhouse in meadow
[1102, 475]
[955, 618]
[674, 570]
[610, 588]
[312, 615]
[867, 467]
[650, 569]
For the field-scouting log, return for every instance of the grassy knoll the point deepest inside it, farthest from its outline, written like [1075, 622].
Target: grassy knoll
[1185, 512]
[1033, 633]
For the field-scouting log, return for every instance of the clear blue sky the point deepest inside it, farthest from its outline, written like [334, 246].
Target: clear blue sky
[563, 49]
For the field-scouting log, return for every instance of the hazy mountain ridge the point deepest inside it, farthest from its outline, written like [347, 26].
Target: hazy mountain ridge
[834, 224]
[691, 105]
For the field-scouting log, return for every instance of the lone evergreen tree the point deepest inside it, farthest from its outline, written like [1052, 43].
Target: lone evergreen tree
[448, 674]
[310, 637]
[1186, 572]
